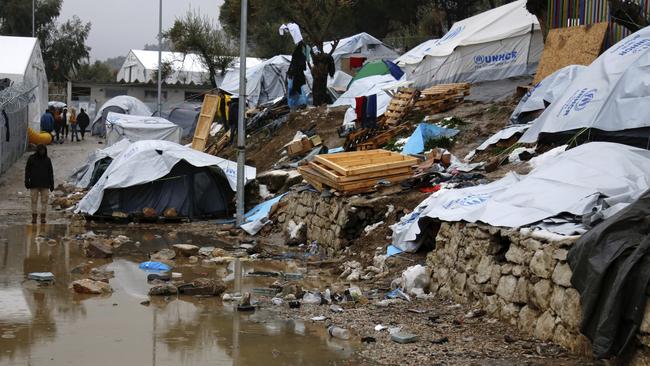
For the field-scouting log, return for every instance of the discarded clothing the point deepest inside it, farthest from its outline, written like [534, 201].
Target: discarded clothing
[295, 100]
[356, 62]
[370, 112]
[293, 29]
[423, 133]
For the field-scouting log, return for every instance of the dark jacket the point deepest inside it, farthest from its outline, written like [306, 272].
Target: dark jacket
[47, 122]
[83, 120]
[39, 172]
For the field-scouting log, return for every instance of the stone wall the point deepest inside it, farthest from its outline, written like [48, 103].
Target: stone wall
[519, 278]
[331, 221]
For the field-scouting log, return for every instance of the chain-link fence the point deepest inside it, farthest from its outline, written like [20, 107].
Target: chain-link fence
[14, 108]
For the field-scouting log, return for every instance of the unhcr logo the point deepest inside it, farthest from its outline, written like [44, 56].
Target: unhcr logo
[501, 58]
[633, 46]
[453, 33]
[578, 101]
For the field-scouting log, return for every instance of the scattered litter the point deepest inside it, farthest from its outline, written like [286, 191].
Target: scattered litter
[393, 250]
[403, 337]
[41, 276]
[417, 311]
[338, 332]
[336, 308]
[155, 266]
[265, 291]
[312, 298]
[318, 318]
[380, 327]
[368, 229]
[398, 294]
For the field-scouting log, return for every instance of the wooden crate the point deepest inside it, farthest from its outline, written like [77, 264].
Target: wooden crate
[202, 131]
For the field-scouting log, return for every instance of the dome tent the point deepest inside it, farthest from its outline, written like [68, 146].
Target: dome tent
[162, 175]
[121, 104]
[135, 128]
[87, 175]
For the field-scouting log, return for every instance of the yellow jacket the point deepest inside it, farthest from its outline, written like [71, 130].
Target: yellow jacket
[224, 99]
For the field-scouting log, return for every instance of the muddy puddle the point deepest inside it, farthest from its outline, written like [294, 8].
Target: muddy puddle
[52, 325]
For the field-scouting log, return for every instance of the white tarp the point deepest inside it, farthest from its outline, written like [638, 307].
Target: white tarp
[414, 56]
[500, 43]
[547, 91]
[135, 128]
[611, 94]
[571, 182]
[146, 161]
[82, 176]
[503, 134]
[130, 105]
[359, 45]
[339, 82]
[264, 82]
[22, 62]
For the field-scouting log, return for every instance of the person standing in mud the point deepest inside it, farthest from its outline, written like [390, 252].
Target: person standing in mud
[83, 120]
[39, 178]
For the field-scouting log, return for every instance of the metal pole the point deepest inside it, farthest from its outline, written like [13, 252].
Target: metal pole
[33, 18]
[241, 127]
[160, 59]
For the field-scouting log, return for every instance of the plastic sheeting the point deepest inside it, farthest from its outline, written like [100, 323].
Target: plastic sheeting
[82, 176]
[423, 133]
[121, 104]
[257, 217]
[503, 134]
[136, 128]
[500, 43]
[360, 45]
[547, 91]
[369, 86]
[146, 161]
[611, 94]
[576, 182]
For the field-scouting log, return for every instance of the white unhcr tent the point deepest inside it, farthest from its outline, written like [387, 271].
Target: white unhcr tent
[22, 62]
[500, 43]
[121, 104]
[610, 98]
[359, 45]
[136, 128]
[83, 175]
[414, 56]
[264, 82]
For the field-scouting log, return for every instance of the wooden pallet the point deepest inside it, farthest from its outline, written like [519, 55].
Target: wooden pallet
[399, 106]
[357, 172]
[202, 131]
[440, 98]
[381, 139]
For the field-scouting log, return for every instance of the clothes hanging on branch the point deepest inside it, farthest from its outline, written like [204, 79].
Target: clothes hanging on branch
[293, 29]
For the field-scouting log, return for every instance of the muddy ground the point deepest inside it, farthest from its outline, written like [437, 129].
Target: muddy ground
[54, 325]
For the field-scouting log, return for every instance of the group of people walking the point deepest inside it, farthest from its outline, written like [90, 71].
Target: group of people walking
[61, 122]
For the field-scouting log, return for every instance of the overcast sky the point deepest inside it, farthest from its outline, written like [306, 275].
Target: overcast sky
[120, 25]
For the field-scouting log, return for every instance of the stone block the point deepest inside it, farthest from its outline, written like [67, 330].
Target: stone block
[545, 326]
[491, 305]
[542, 264]
[570, 311]
[521, 291]
[540, 294]
[528, 319]
[458, 283]
[562, 274]
[495, 274]
[560, 254]
[518, 255]
[645, 324]
[506, 288]
[557, 298]
[510, 313]
[484, 269]
[506, 269]
[532, 244]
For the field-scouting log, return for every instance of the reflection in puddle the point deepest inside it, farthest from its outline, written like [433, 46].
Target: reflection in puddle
[52, 325]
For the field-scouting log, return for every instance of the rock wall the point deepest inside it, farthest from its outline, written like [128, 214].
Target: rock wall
[519, 278]
[331, 221]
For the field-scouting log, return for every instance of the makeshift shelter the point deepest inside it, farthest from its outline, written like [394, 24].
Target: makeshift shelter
[136, 128]
[186, 116]
[123, 104]
[163, 175]
[378, 67]
[351, 52]
[500, 43]
[545, 93]
[597, 178]
[608, 101]
[89, 173]
[264, 82]
[22, 62]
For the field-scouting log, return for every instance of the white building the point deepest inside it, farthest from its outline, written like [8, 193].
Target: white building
[141, 66]
[22, 62]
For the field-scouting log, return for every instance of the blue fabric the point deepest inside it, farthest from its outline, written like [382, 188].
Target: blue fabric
[371, 112]
[155, 267]
[295, 100]
[395, 70]
[336, 150]
[47, 122]
[392, 250]
[262, 210]
[424, 132]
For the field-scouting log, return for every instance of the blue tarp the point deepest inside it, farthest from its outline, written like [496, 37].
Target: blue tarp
[425, 132]
[258, 215]
[395, 70]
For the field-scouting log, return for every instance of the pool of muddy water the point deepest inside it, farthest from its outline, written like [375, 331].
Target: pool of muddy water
[52, 325]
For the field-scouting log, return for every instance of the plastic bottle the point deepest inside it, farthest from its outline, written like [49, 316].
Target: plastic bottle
[338, 332]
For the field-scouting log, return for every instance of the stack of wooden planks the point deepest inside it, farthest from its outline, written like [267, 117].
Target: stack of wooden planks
[202, 131]
[440, 98]
[358, 171]
[399, 106]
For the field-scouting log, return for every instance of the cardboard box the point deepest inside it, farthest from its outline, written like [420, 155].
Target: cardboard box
[299, 147]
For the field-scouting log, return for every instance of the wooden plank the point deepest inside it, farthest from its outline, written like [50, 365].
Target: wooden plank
[383, 167]
[206, 116]
[364, 162]
[570, 46]
[345, 179]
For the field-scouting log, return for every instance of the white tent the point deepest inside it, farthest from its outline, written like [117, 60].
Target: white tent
[611, 95]
[82, 176]
[136, 128]
[546, 91]
[359, 45]
[597, 176]
[500, 43]
[264, 82]
[142, 66]
[121, 104]
[414, 56]
[146, 161]
[22, 62]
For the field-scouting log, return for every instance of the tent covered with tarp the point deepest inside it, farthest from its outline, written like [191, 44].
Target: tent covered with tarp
[361, 46]
[89, 173]
[378, 67]
[597, 178]
[163, 175]
[264, 82]
[136, 128]
[186, 116]
[123, 104]
[608, 101]
[497, 44]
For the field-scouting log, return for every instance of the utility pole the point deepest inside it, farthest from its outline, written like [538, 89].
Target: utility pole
[34, 18]
[160, 59]
[241, 127]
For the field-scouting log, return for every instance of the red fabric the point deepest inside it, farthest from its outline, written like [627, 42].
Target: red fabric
[435, 188]
[356, 62]
[359, 108]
